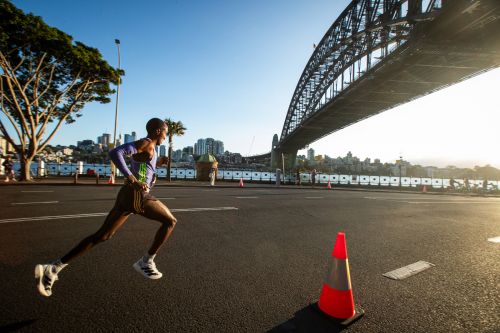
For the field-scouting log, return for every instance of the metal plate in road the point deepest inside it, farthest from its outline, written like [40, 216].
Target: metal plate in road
[404, 272]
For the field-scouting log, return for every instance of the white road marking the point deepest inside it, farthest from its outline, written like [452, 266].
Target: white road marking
[34, 202]
[450, 202]
[56, 217]
[494, 239]
[37, 191]
[416, 200]
[76, 216]
[247, 197]
[406, 271]
[399, 198]
[202, 209]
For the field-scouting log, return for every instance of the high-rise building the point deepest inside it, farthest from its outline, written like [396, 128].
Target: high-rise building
[209, 145]
[163, 150]
[177, 155]
[130, 137]
[106, 140]
[188, 150]
[200, 147]
[310, 154]
[218, 147]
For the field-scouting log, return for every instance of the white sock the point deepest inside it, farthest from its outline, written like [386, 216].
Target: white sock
[148, 257]
[58, 265]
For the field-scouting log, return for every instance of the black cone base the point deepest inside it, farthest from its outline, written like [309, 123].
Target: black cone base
[342, 322]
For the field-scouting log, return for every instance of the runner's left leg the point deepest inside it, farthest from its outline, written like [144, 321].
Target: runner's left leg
[155, 210]
[47, 274]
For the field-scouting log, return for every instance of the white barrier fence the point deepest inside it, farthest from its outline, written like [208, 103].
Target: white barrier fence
[270, 177]
[335, 179]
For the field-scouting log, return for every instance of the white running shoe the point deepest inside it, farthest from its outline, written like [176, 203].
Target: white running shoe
[148, 269]
[45, 276]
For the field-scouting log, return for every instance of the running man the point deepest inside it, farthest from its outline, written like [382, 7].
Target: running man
[133, 198]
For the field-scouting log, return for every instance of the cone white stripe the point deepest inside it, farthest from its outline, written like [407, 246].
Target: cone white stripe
[338, 276]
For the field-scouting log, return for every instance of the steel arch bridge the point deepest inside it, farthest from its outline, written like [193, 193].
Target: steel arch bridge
[382, 53]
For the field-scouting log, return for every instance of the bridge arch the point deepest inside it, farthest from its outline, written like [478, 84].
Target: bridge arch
[381, 53]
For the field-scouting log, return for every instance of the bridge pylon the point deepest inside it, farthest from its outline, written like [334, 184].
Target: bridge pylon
[280, 158]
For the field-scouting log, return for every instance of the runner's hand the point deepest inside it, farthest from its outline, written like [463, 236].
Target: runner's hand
[137, 185]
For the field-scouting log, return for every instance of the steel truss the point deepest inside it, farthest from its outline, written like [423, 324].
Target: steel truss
[365, 33]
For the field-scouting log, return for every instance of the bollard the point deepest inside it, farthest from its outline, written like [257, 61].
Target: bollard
[97, 178]
[75, 179]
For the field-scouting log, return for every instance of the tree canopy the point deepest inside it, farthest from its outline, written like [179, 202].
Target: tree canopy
[174, 128]
[45, 77]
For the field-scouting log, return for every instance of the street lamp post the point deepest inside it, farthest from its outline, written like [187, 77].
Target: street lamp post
[117, 42]
[113, 167]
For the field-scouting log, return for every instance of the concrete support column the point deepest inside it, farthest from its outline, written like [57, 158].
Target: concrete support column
[278, 158]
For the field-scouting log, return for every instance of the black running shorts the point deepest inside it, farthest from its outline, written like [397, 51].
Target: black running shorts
[130, 200]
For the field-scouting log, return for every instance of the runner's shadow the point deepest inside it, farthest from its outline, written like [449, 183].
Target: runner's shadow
[307, 320]
[17, 326]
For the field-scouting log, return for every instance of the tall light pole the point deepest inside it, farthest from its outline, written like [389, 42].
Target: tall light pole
[117, 42]
[113, 167]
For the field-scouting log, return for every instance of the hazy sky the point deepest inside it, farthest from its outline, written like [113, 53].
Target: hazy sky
[228, 69]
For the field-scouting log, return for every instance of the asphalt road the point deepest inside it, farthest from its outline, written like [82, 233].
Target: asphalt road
[254, 262]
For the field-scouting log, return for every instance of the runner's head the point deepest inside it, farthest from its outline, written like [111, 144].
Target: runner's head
[157, 130]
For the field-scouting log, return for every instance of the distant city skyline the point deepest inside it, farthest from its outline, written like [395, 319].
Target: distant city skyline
[228, 70]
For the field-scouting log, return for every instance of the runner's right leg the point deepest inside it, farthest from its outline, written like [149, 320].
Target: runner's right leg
[46, 275]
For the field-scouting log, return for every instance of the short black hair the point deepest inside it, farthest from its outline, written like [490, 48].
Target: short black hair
[153, 124]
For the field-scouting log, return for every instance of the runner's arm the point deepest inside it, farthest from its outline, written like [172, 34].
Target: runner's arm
[118, 154]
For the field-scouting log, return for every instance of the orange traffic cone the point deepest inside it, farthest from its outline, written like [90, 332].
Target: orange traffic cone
[241, 182]
[111, 179]
[329, 186]
[336, 300]
[424, 189]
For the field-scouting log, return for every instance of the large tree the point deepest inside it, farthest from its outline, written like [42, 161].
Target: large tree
[174, 128]
[45, 80]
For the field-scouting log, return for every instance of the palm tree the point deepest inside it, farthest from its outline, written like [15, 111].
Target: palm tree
[174, 128]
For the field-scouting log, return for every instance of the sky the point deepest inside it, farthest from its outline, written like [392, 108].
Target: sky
[228, 68]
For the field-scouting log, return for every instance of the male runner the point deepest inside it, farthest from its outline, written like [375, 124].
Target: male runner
[133, 198]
